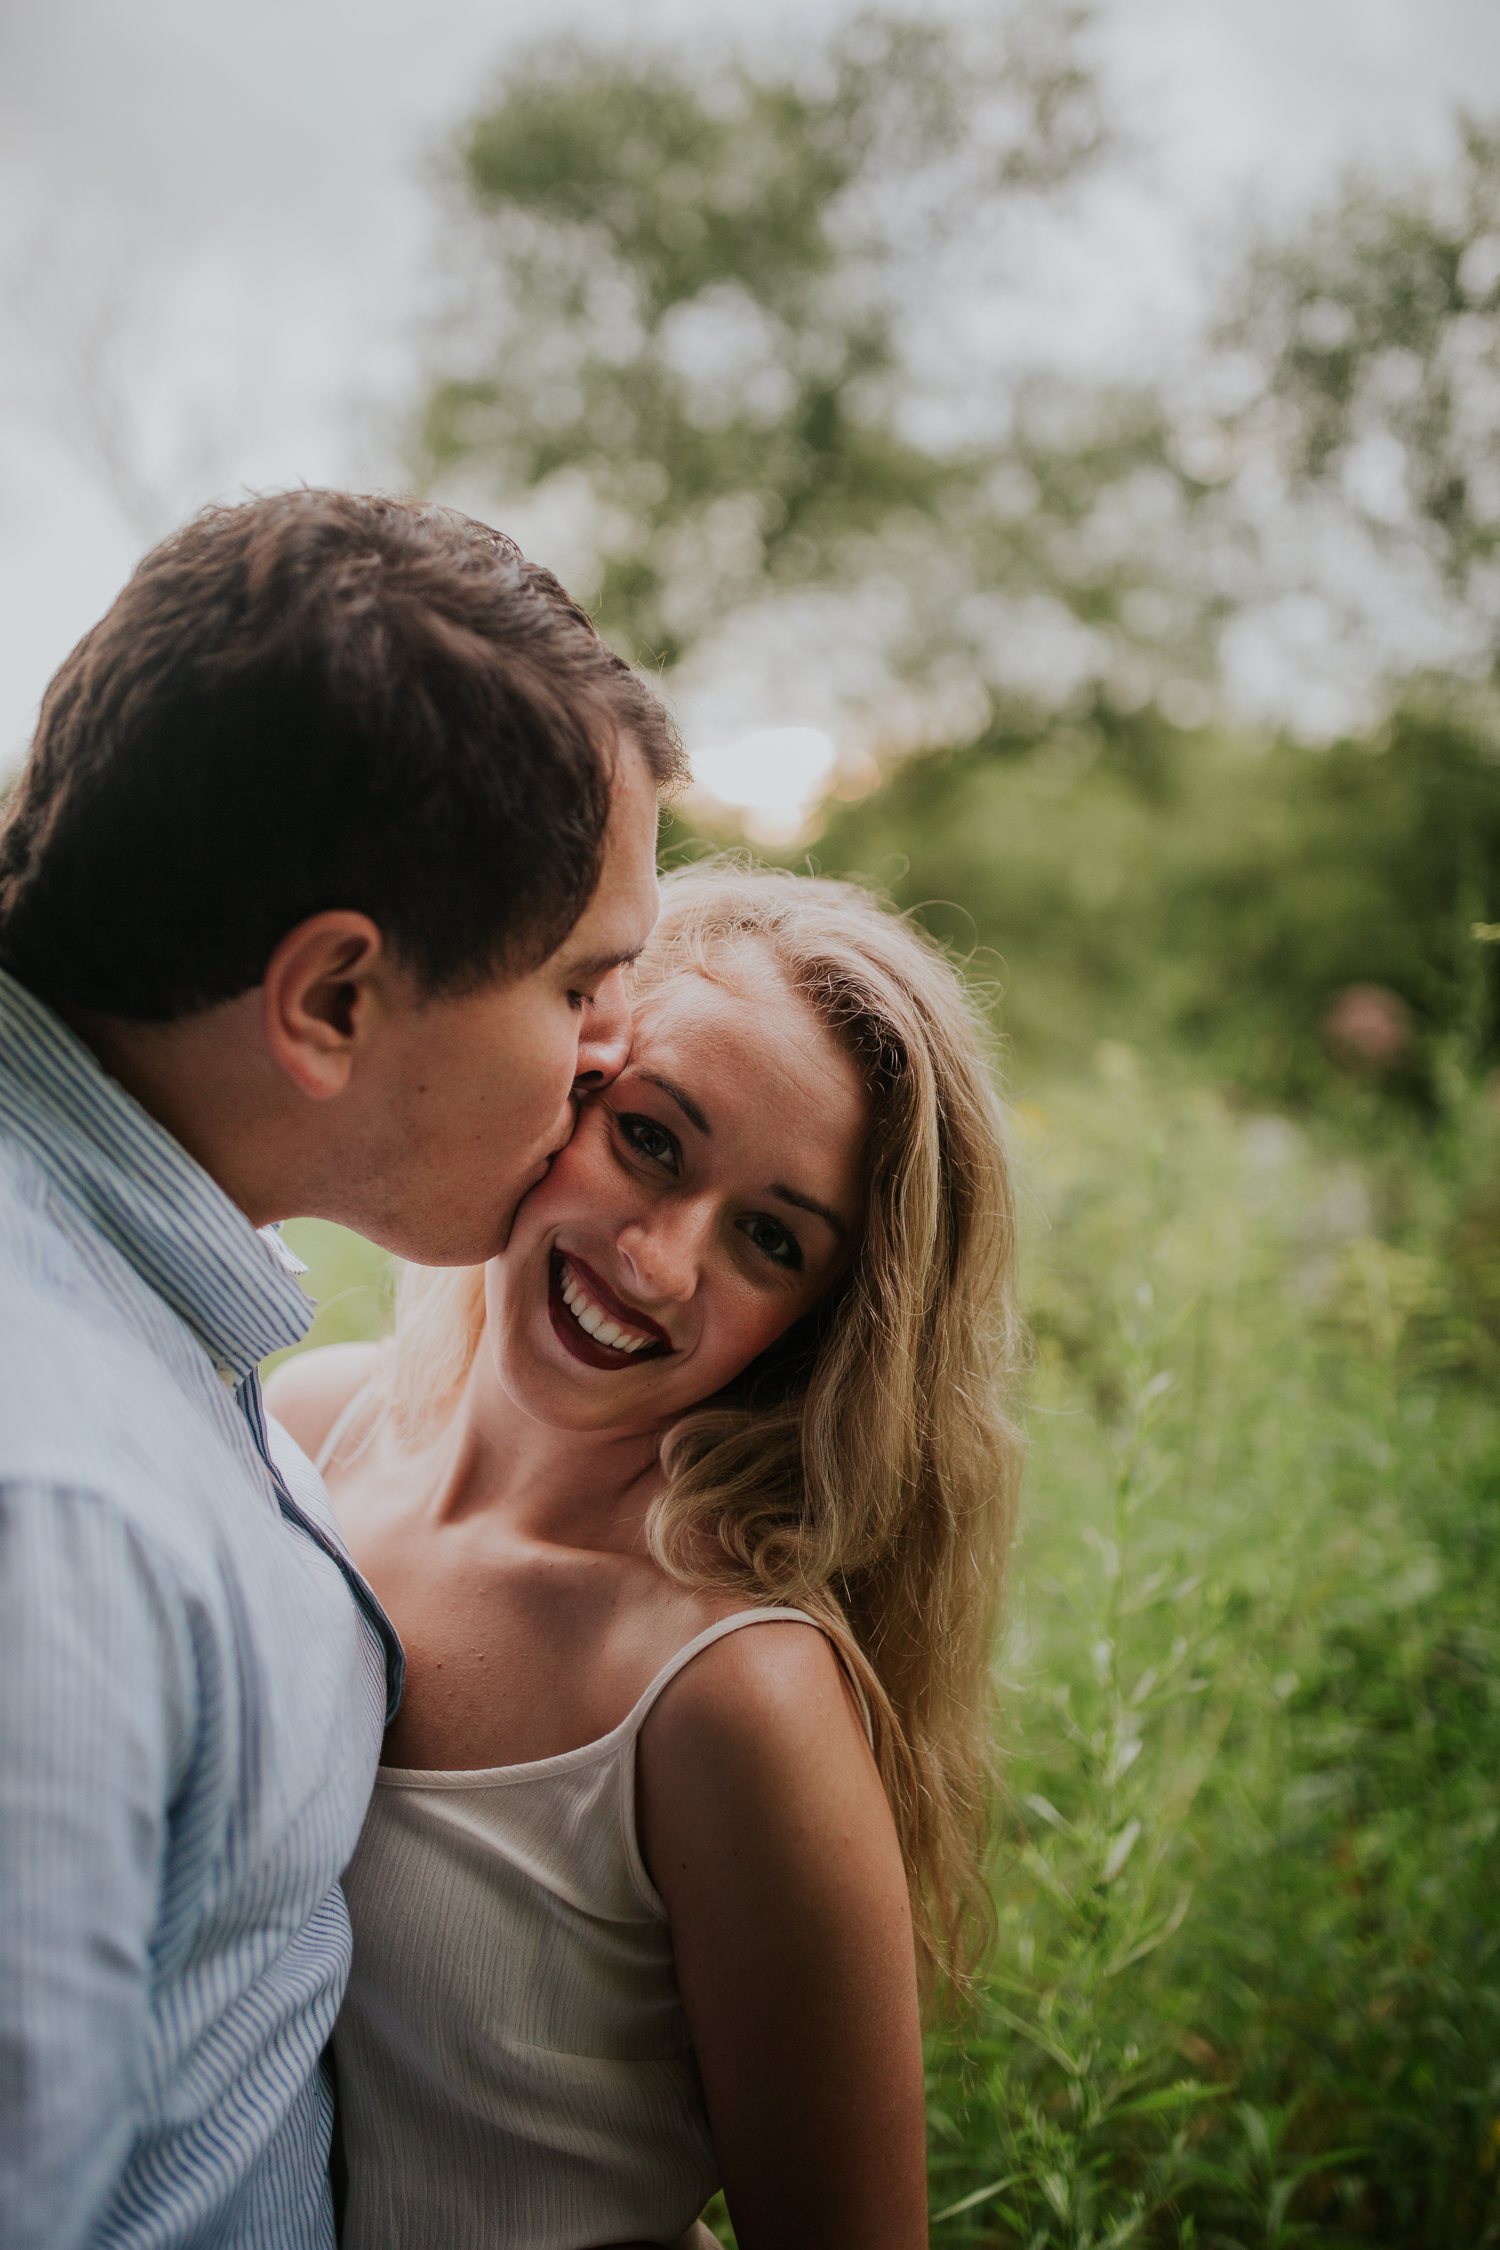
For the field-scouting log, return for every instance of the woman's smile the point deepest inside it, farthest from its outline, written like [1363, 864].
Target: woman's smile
[592, 1323]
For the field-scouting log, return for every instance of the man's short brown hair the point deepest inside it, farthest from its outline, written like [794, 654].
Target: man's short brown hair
[317, 700]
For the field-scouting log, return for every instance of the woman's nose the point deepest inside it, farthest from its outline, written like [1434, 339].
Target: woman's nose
[604, 1035]
[666, 1250]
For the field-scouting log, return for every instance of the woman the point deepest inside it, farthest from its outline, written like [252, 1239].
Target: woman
[645, 1897]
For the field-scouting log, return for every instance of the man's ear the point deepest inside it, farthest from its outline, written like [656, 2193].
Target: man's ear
[319, 995]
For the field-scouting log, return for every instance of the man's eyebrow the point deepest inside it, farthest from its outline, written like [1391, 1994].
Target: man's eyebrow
[685, 1102]
[807, 1203]
[600, 964]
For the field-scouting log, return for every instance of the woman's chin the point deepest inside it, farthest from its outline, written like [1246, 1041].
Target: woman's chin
[562, 1392]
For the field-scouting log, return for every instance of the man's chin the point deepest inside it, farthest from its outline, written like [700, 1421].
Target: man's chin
[538, 1179]
[497, 1241]
[433, 1243]
[502, 1240]
[443, 1232]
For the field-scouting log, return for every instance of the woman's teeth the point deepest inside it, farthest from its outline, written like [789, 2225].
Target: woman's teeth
[594, 1322]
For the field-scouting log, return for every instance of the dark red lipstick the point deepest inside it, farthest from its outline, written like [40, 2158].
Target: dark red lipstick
[576, 1339]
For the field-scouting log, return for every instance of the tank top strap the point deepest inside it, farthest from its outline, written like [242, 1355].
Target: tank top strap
[696, 1646]
[343, 1423]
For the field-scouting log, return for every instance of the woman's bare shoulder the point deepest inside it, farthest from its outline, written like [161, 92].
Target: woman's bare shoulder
[770, 1683]
[753, 1768]
[308, 1394]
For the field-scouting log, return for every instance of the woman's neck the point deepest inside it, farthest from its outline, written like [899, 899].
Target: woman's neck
[560, 1487]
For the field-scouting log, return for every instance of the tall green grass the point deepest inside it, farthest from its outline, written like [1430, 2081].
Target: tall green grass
[1247, 1988]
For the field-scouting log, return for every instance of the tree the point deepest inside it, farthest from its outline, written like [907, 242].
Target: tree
[695, 301]
[1371, 338]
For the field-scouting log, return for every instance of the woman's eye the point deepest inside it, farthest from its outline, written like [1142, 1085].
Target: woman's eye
[651, 1140]
[775, 1243]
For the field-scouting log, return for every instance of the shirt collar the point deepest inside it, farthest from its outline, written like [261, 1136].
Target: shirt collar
[142, 1190]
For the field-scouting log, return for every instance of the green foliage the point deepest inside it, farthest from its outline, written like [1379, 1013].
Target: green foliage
[1248, 1985]
[1209, 895]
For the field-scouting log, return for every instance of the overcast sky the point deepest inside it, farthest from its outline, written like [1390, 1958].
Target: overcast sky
[250, 185]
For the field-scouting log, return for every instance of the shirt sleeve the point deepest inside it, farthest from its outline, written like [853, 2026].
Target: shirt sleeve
[95, 1727]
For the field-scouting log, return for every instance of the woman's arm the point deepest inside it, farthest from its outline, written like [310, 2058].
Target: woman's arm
[766, 1830]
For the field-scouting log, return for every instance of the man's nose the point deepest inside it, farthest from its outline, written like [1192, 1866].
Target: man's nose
[604, 1039]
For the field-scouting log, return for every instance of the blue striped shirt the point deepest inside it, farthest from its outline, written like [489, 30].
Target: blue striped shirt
[193, 1685]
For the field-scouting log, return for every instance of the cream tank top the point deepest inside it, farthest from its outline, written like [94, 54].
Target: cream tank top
[513, 2058]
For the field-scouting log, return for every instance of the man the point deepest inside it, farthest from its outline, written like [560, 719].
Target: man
[315, 896]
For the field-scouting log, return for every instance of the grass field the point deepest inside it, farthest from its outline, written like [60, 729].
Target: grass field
[1247, 1989]
[1248, 1982]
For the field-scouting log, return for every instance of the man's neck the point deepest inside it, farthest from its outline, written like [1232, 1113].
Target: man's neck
[200, 1078]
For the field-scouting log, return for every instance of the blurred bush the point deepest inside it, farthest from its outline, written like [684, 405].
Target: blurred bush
[1248, 1988]
[1211, 897]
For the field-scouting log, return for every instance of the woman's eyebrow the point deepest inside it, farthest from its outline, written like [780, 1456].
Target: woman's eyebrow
[806, 1203]
[685, 1102]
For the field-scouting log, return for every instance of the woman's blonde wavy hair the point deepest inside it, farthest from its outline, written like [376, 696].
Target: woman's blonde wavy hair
[865, 1468]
